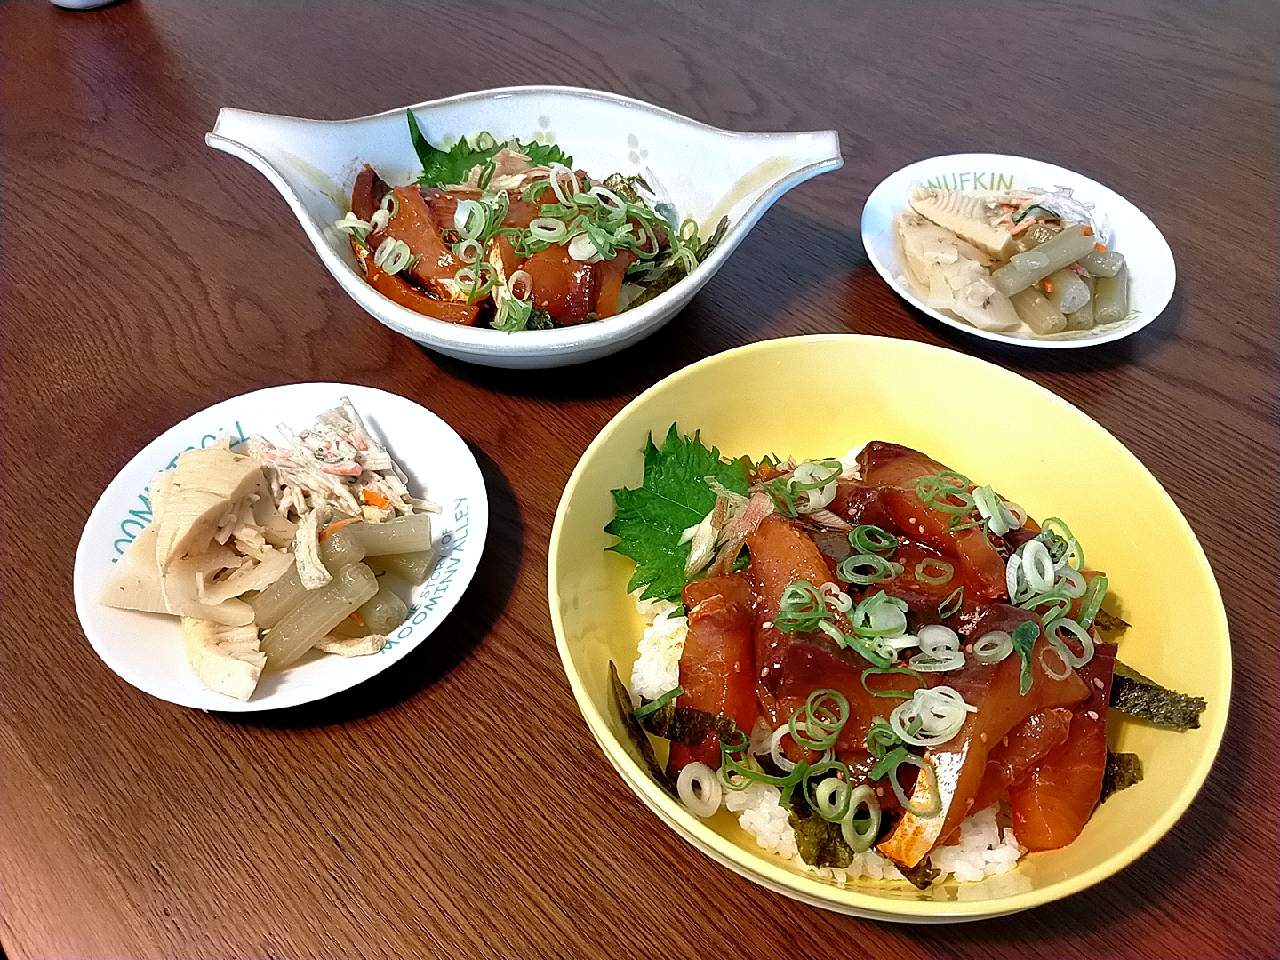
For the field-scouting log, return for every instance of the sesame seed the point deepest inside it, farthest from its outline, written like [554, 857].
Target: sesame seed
[1092, 715]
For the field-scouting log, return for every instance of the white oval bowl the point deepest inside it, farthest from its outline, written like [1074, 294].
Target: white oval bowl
[706, 173]
[146, 649]
[1151, 270]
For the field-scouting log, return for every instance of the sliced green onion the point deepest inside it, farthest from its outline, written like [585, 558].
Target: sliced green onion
[905, 671]
[1081, 635]
[881, 570]
[945, 571]
[932, 716]
[830, 797]
[817, 725]
[1000, 519]
[992, 647]
[880, 739]
[1092, 601]
[699, 789]
[468, 251]
[353, 225]
[889, 767]
[1025, 635]
[470, 218]
[948, 492]
[951, 605]
[1071, 547]
[655, 705]
[392, 256]
[548, 230]
[1060, 649]
[801, 609]
[860, 840]
[868, 538]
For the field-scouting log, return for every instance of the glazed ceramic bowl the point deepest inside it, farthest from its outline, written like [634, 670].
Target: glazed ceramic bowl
[705, 173]
[1151, 270]
[817, 397]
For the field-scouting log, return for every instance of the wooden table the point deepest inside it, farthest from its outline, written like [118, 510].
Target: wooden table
[146, 276]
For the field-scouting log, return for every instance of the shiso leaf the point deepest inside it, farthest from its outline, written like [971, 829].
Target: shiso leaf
[819, 841]
[686, 725]
[650, 520]
[622, 700]
[445, 168]
[1122, 770]
[1143, 698]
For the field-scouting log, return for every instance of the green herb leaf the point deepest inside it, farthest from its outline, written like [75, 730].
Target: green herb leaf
[1024, 639]
[443, 168]
[649, 521]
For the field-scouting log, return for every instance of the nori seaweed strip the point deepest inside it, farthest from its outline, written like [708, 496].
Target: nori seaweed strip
[686, 725]
[540, 320]
[820, 842]
[1109, 622]
[921, 875]
[713, 241]
[673, 273]
[1143, 698]
[1122, 770]
[622, 700]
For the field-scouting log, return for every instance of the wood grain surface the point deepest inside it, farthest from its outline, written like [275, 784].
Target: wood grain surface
[146, 276]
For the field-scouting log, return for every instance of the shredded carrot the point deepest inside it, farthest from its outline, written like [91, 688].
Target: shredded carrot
[336, 526]
[1048, 286]
[355, 615]
[1100, 247]
[1087, 230]
[374, 498]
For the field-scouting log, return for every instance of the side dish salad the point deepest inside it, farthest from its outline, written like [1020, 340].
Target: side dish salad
[881, 667]
[1029, 262]
[269, 553]
[510, 236]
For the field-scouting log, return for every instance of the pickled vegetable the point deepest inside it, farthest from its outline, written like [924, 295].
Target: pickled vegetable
[413, 567]
[1111, 297]
[321, 610]
[1037, 312]
[1102, 263]
[1024, 269]
[379, 615]
[338, 550]
[1082, 319]
[403, 535]
[1066, 291]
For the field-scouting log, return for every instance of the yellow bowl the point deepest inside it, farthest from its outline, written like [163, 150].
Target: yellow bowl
[818, 396]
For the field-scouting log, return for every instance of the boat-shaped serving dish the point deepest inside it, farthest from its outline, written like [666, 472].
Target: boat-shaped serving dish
[703, 172]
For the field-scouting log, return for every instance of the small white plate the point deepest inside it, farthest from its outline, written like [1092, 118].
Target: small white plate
[146, 649]
[1151, 271]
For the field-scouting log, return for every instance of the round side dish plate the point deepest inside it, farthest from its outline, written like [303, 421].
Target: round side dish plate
[146, 649]
[817, 397]
[1151, 270]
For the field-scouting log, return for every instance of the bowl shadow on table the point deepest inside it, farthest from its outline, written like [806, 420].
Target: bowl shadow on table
[1134, 349]
[734, 308]
[461, 633]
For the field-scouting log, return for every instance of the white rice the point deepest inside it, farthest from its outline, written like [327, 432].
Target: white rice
[986, 848]
[657, 667]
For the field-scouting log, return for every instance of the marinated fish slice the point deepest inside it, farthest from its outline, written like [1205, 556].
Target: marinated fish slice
[228, 660]
[964, 214]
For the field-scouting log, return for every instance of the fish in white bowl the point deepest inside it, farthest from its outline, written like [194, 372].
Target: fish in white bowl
[696, 173]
